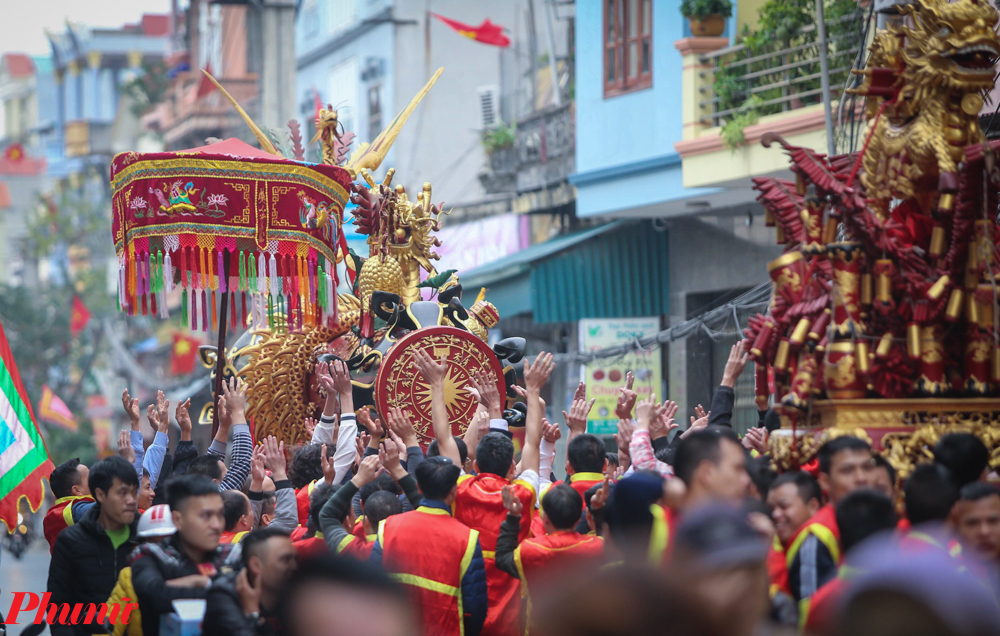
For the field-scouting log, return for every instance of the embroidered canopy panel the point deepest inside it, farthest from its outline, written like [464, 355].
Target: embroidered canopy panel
[180, 217]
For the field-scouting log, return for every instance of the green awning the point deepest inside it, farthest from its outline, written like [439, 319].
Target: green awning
[620, 269]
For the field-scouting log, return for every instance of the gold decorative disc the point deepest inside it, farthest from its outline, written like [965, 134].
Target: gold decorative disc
[400, 384]
[972, 104]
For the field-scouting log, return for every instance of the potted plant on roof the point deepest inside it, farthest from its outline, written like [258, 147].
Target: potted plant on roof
[707, 17]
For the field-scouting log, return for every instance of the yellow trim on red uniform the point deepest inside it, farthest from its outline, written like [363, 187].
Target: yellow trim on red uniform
[429, 510]
[346, 541]
[428, 584]
[659, 536]
[470, 551]
[586, 477]
[821, 532]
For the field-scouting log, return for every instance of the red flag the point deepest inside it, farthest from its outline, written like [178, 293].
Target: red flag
[487, 32]
[54, 410]
[79, 316]
[183, 355]
[205, 86]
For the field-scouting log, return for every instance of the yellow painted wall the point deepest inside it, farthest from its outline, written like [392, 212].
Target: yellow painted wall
[746, 13]
[712, 168]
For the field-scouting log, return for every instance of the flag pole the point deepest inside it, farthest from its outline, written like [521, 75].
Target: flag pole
[220, 350]
[824, 69]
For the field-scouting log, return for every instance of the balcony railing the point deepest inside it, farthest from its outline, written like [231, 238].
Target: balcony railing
[781, 79]
[543, 154]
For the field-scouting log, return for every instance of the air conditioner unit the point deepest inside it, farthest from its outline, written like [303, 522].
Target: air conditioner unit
[489, 106]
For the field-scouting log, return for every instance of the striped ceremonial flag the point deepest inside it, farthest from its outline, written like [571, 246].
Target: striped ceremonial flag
[24, 461]
[54, 410]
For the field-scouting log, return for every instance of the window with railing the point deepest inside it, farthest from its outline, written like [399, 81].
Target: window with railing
[781, 76]
[628, 46]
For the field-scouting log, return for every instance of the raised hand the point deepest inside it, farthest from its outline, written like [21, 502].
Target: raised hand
[624, 436]
[309, 424]
[323, 377]
[131, 406]
[234, 392]
[550, 431]
[274, 458]
[537, 373]
[257, 468]
[626, 398]
[697, 424]
[225, 421]
[646, 411]
[581, 392]
[489, 397]
[152, 417]
[601, 496]
[433, 371]
[756, 439]
[183, 418]
[388, 456]
[163, 411]
[326, 463]
[576, 419]
[125, 446]
[374, 427]
[737, 361]
[341, 377]
[370, 468]
[401, 425]
[664, 422]
[511, 503]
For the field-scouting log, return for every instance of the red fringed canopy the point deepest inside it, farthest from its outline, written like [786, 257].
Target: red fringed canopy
[180, 217]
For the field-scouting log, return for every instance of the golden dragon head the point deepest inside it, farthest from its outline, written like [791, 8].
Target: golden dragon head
[954, 45]
[326, 125]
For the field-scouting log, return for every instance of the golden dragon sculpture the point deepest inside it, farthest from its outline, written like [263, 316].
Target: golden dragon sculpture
[281, 389]
[929, 92]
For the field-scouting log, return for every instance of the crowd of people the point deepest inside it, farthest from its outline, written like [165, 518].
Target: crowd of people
[679, 532]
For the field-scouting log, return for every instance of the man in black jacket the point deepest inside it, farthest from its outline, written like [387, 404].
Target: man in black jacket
[184, 565]
[245, 604]
[87, 557]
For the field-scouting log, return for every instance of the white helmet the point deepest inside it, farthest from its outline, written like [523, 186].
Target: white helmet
[156, 522]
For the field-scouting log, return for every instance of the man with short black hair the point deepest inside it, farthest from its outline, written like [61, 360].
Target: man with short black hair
[965, 456]
[541, 560]
[183, 565]
[794, 498]
[237, 515]
[211, 466]
[845, 465]
[977, 524]
[929, 495]
[862, 514]
[68, 482]
[88, 556]
[436, 557]
[712, 465]
[245, 604]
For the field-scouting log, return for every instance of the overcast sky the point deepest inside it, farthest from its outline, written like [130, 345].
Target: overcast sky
[22, 29]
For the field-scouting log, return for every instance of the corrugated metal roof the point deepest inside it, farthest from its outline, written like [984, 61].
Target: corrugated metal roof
[520, 262]
[624, 273]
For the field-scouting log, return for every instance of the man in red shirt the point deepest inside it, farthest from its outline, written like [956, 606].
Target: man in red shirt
[794, 498]
[69, 486]
[860, 515]
[977, 523]
[845, 465]
[479, 500]
[541, 560]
